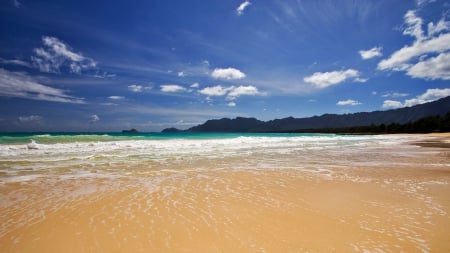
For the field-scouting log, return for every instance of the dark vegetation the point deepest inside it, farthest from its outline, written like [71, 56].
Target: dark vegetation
[424, 125]
[423, 118]
[133, 130]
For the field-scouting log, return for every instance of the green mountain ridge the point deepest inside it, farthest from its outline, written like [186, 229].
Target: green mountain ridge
[326, 121]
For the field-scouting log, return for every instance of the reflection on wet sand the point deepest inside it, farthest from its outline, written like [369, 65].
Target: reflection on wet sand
[256, 203]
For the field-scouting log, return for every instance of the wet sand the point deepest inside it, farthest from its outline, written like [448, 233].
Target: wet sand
[239, 205]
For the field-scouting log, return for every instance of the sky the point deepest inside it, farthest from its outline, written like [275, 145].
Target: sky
[112, 65]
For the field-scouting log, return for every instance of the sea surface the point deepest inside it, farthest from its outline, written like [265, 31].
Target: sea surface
[222, 192]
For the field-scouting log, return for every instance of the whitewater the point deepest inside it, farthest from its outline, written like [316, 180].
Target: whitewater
[222, 192]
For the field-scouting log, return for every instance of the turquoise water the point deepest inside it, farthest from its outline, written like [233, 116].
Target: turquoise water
[49, 138]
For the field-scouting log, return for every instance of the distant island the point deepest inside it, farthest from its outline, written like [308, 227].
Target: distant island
[428, 117]
[171, 130]
[133, 130]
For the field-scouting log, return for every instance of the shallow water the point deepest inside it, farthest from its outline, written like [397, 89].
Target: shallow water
[261, 193]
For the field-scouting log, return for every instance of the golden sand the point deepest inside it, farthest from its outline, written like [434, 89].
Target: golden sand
[395, 208]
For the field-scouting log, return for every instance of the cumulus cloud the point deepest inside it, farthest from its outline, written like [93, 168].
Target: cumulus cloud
[227, 74]
[195, 85]
[21, 85]
[215, 90]
[231, 104]
[231, 92]
[434, 29]
[428, 56]
[29, 119]
[433, 68]
[242, 7]
[181, 74]
[243, 91]
[326, 79]
[56, 55]
[93, 118]
[429, 96]
[348, 102]
[392, 104]
[371, 53]
[172, 88]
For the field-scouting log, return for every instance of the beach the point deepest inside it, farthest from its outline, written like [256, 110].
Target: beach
[314, 193]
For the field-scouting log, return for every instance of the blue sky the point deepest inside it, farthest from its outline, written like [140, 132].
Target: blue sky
[112, 65]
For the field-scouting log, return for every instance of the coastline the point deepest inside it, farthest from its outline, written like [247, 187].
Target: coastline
[345, 194]
[432, 140]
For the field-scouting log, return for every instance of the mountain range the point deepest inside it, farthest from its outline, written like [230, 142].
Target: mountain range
[327, 121]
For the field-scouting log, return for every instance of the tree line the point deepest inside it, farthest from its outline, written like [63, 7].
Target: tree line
[429, 124]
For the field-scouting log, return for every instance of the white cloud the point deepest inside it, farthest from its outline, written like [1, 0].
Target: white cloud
[14, 62]
[424, 2]
[429, 96]
[181, 74]
[442, 25]
[231, 104]
[348, 102]
[419, 60]
[138, 88]
[57, 55]
[29, 119]
[93, 118]
[326, 79]
[215, 90]
[195, 85]
[360, 80]
[231, 92]
[116, 97]
[227, 74]
[413, 25]
[433, 68]
[243, 91]
[172, 88]
[395, 95]
[135, 88]
[392, 104]
[21, 85]
[103, 74]
[371, 53]
[400, 60]
[242, 7]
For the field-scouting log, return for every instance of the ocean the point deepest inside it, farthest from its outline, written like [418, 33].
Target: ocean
[222, 192]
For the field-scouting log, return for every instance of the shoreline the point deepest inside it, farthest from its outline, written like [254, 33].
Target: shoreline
[382, 194]
[433, 140]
